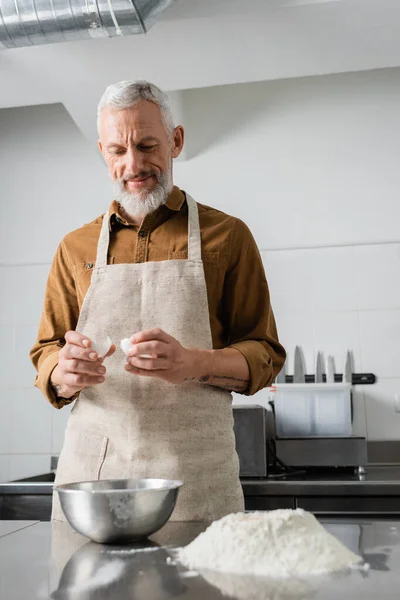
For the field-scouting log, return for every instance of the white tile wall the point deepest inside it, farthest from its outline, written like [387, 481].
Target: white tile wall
[335, 332]
[24, 372]
[31, 285]
[8, 295]
[376, 270]
[24, 465]
[383, 422]
[31, 421]
[290, 279]
[5, 423]
[7, 335]
[59, 420]
[333, 281]
[4, 467]
[380, 341]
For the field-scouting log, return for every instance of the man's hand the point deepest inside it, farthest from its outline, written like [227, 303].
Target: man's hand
[226, 368]
[169, 359]
[78, 366]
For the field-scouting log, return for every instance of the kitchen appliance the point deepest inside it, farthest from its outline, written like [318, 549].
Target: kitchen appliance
[323, 452]
[314, 421]
[313, 417]
[312, 409]
[251, 439]
[261, 456]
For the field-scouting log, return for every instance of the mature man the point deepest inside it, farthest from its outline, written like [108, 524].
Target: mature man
[186, 283]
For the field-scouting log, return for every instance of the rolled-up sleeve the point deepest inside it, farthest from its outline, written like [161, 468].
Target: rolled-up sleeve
[247, 312]
[60, 314]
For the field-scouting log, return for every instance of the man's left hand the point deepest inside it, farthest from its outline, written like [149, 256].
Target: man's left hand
[169, 359]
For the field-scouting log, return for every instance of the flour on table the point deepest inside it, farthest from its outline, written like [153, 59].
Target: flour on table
[278, 544]
[130, 551]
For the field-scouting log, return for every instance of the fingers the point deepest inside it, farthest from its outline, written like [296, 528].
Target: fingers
[85, 367]
[78, 339]
[144, 372]
[155, 349]
[81, 353]
[149, 364]
[111, 351]
[151, 334]
[71, 351]
[80, 380]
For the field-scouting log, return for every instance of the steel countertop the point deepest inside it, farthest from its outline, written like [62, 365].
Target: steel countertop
[378, 480]
[48, 560]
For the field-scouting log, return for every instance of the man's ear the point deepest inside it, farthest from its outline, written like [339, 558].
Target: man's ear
[178, 139]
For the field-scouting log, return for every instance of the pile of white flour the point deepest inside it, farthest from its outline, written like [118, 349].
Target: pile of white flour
[278, 544]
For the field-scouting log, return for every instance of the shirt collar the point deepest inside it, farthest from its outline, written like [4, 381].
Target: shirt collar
[174, 203]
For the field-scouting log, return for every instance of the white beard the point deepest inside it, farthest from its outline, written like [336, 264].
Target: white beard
[142, 203]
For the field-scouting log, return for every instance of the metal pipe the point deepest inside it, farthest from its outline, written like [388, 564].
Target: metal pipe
[36, 22]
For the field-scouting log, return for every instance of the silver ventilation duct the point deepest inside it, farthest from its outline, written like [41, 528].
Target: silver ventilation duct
[35, 22]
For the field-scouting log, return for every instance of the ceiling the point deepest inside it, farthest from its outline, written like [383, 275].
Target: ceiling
[205, 43]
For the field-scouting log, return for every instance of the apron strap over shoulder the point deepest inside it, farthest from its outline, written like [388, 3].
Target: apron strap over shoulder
[194, 238]
[104, 242]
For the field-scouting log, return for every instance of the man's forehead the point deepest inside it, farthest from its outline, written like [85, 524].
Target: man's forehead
[142, 114]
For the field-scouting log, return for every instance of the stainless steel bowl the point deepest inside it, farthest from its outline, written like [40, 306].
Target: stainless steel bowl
[120, 510]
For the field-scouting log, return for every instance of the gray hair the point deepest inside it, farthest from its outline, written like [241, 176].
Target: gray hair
[126, 94]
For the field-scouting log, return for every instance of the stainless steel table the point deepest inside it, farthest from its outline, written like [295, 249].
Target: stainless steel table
[7, 527]
[45, 560]
[376, 493]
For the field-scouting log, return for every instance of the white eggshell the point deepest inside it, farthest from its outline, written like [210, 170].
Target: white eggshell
[102, 347]
[126, 346]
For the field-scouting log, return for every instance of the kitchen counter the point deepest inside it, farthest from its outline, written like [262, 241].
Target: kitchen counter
[8, 527]
[375, 493]
[48, 560]
[375, 482]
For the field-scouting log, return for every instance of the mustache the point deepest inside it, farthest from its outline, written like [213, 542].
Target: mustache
[140, 175]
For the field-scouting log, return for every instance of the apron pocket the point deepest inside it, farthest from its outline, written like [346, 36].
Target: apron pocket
[82, 456]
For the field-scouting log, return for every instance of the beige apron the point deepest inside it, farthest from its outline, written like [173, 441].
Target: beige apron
[132, 426]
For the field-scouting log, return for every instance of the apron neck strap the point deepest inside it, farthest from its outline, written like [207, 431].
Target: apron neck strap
[194, 237]
[104, 242]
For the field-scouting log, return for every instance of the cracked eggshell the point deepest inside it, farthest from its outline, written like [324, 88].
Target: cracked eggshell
[101, 347]
[126, 346]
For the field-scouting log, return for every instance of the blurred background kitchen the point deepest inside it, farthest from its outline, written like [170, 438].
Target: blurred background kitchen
[292, 118]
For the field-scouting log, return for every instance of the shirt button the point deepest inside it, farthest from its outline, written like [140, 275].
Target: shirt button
[142, 233]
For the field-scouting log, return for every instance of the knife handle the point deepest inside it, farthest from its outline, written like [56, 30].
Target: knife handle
[357, 378]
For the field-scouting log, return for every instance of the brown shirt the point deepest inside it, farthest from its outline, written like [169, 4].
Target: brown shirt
[238, 298]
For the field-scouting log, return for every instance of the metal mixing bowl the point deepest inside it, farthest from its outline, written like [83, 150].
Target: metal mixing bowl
[120, 510]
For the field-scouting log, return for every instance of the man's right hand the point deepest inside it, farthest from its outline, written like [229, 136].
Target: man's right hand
[78, 366]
